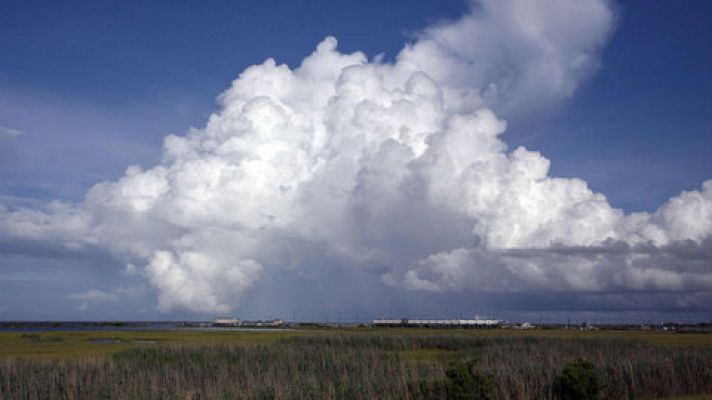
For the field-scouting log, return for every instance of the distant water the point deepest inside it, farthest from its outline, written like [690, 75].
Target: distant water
[52, 326]
[49, 326]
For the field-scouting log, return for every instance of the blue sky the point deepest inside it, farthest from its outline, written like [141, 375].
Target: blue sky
[89, 88]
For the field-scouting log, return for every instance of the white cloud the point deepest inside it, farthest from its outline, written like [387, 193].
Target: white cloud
[607, 266]
[395, 168]
[522, 56]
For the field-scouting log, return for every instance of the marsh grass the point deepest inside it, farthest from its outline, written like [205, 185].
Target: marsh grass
[348, 365]
[79, 344]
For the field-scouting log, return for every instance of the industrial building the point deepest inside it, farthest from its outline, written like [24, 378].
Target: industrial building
[437, 323]
[232, 322]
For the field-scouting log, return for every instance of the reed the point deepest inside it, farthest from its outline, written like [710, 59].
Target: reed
[358, 366]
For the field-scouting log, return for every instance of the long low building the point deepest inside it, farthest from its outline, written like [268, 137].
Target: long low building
[226, 322]
[270, 323]
[437, 323]
[235, 322]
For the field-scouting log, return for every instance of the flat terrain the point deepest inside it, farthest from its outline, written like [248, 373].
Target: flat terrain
[55, 345]
[73, 344]
[361, 363]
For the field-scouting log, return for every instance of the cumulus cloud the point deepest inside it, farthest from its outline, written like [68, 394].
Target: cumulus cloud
[609, 266]
[521, 56]
[393, 168]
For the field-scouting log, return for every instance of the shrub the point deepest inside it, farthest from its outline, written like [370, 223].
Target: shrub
[31, 336]
[578, 381]
[465, 382]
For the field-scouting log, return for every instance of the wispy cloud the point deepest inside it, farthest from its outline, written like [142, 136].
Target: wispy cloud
[10, 133]
[96, 297]
[93, 297]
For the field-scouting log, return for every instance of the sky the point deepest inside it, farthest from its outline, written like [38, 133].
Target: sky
[388, 159]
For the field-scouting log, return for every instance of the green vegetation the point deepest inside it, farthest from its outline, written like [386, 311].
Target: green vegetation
[578, 381]
[353, 364]
[68, 345]
[465, 382]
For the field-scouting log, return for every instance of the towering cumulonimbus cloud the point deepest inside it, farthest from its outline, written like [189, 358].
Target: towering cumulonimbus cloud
[397, 168]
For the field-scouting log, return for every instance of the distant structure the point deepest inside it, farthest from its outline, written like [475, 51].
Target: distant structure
[270, 323]
[523, 326]
[437, 323]
[231, 322]
[226, 322]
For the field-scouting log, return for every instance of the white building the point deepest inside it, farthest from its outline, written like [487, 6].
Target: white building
[438, 323]
[226, 321]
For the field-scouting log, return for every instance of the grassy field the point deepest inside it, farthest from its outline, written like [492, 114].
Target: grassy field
[58, 345]
[656, 337]
[360, 363]
[67, 345]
